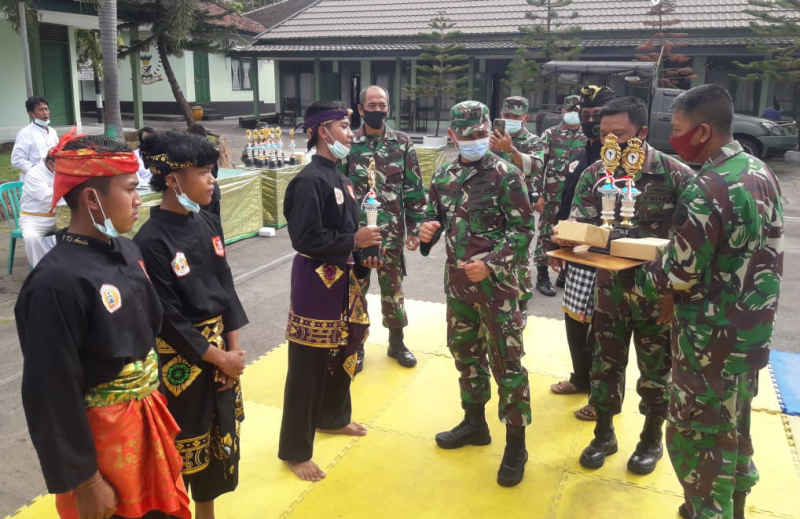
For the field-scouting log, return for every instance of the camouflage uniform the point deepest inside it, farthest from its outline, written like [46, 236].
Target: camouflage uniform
[398, 184]
[485, 214]
[725, 265]
[561, 148]
[524, 141]
[619, 311]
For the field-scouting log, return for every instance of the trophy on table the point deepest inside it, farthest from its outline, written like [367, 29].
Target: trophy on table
[292, 146]
[247, 151]
[281, 160]
[370, 206]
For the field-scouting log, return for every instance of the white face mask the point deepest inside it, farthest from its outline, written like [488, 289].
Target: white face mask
[337, 149]
[42, 122]
[572, 118]
[513, 126]
[473, 151]
[107, 228]
[186, 202]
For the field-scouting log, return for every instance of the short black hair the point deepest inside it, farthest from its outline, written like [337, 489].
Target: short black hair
[178, 147]
[710, 104]
[33, 101]
[317, 107]
[99, 143]
[145, 129]
[633, 106]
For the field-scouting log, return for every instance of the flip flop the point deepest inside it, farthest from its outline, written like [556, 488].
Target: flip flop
[565, 387]
[586, 413]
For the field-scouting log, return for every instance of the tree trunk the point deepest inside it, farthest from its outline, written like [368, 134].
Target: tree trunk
[186, 110]
[437, 112]
[108, 45]
[97, 93]
[796, 108]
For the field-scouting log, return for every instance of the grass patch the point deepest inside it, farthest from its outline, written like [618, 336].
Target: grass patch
[6, 171]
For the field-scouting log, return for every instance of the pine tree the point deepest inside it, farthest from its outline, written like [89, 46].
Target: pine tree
[548, 38]
[441, 66]
[778, 24]
[675, 70]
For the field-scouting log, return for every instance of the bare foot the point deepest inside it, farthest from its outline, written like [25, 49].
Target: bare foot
[306, 470]
[351, 429]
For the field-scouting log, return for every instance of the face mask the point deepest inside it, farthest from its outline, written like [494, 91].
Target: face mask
[473, 151]
[186, 202]
[375, 119]
[337, 149]
[513, 126]
[683, 145]
[42, 122]
[572, 118]
[107, 228]
[591, 130]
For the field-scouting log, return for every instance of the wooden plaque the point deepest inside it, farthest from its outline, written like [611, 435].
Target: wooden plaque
[595, 259]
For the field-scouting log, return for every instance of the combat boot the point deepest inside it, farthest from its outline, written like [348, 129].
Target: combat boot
[739, 499]
[473, 430]
[543, 282]
[397, 349]
[648, 450]
[512, 468]
[603, 444]
[561, 282]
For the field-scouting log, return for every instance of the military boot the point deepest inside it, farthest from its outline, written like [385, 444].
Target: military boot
[603, 444]
[648, 450]
[561, 282]
[543, 282]
[739, 499]
[473, 430]
[397, 349]
[512, 468]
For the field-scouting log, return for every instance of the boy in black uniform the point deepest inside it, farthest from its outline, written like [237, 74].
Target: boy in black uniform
[87, 318]
[199, 355]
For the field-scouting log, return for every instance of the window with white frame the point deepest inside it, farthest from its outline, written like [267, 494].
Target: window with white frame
[240, 74]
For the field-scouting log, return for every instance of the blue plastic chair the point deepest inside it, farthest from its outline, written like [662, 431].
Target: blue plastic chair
[10, 193]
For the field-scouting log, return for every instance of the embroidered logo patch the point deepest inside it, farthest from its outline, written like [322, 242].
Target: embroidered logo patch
[573, 165]
[112, 300]
[179, 265]
[339, 195]
[219, 247]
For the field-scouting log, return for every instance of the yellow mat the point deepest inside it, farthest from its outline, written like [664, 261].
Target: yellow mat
[397, 470]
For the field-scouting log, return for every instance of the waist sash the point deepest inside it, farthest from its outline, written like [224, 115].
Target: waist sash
[136, 381]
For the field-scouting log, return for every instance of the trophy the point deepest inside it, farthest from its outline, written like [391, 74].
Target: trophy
[258, 159]
[292, 146]
[631, 160]
[370, 206]
[247, 151]
[611, 155]
[632, 163]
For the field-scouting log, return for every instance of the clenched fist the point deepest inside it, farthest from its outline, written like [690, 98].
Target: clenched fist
[427, 230]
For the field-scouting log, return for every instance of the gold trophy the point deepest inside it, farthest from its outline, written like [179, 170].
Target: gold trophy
[611, 155]
[370, 206]
[632, 163]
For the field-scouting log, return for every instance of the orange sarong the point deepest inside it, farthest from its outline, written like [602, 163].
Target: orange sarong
[136, 454]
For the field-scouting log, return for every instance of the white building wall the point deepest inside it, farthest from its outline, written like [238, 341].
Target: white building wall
[12, 82]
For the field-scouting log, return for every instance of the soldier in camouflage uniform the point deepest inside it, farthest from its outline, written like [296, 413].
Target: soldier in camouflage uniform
[560, 148]
[398, 184]
[480, 206]
[619, 311]
[515, 113]
[724, 268]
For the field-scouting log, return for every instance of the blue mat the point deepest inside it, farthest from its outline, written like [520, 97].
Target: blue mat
[786, 370]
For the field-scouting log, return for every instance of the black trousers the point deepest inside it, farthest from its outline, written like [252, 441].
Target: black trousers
[581, 341]
[317, 396]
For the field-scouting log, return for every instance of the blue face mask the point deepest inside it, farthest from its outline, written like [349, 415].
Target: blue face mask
[186, 202]
[513, 126]
[473, 151]
[339, 150]
[107, 228]
[42, 122]
[572, 118]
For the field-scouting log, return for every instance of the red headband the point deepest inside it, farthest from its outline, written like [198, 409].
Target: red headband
[74, 167]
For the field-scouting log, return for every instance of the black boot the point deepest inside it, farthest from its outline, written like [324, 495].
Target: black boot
[739, 499]
[543, 282]
[397, 349]
[562, 278]
[512, 467]
[648, 450]
[473, 430]
[683, 511]
[603, 444]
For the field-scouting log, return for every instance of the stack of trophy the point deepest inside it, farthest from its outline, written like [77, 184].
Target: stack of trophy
[265, 149]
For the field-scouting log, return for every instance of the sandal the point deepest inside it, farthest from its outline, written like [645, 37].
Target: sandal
[565, 387]
[586, 413]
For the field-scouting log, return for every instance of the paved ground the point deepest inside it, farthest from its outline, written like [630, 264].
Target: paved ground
[261, 267]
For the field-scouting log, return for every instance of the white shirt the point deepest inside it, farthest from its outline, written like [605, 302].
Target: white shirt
[37, 191]
[31, 146]
[144, 174]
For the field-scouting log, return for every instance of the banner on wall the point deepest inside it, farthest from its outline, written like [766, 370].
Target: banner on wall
[151, 67]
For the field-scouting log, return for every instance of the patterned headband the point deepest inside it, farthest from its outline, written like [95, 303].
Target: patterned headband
[323, 117]
[162, 159]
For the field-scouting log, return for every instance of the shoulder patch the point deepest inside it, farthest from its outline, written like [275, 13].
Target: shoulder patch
[219, 247]
[180, 266]
[111, 297]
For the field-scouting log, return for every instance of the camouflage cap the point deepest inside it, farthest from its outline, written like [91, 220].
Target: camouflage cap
[468, 118]
[515, 105]
[571, 101]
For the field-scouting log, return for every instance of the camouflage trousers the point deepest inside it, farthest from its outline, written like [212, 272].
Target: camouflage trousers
[390, 280]
[524, 277]
[712, 457]
[620, 313]
[480, 334]
[547, 220]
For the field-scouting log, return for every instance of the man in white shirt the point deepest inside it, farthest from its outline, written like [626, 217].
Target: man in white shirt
[36, 219]
[33, 141]
[143, 173]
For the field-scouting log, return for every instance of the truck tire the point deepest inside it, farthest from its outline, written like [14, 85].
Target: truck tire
[750, 145]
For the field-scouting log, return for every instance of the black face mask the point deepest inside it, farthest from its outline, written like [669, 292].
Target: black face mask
[591, 130]
[374, 119]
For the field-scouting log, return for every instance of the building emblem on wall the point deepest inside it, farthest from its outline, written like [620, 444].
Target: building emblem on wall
[151, 68]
